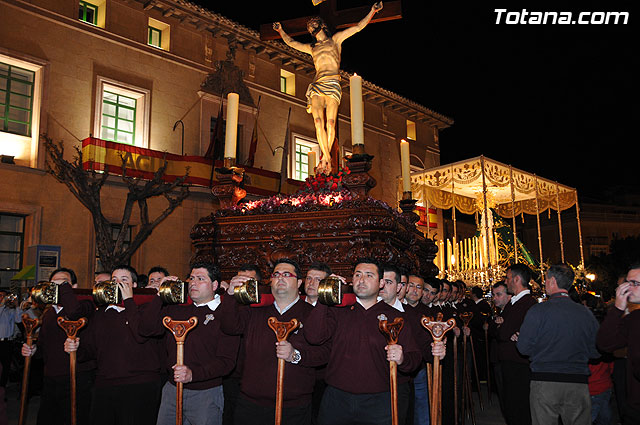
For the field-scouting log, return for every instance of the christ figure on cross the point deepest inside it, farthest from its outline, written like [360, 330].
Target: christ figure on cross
[324, 93]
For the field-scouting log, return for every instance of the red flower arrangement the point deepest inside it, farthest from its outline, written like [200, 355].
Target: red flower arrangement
[321, 183]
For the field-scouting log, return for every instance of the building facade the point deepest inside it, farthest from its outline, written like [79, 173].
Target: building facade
[152, 75]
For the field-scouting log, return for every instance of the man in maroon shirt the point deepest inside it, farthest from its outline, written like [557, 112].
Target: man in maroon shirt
[515, 367]
[621, 328]
[55, 401]
[127, 386]
[209, 354]
[256, 404]
[358, 370]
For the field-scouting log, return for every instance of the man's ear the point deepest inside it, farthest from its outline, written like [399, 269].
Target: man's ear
[214, 285]
[381, 284]
[134, 285]
[299, 282]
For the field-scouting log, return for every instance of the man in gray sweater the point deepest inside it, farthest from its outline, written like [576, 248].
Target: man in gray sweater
[559, 336]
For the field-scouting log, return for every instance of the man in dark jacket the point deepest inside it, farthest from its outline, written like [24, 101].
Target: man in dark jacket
[559, 336]
[621, 328]
[515, 366]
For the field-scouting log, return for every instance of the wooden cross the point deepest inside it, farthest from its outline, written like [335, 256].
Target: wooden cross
[334, 18]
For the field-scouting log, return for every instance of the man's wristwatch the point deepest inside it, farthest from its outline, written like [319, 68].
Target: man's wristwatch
[296, 357]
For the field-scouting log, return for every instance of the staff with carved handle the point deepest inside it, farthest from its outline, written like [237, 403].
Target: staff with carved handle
[71, 328]
[437, 331]
[179, 329]
[30, 326]
[391, 331]
[282, 331]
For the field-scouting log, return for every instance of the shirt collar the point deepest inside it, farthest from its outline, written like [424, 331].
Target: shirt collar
[213, 304]
[115, 307]
[312, 303]
[515, 298]
[57, 308]
[284, 310]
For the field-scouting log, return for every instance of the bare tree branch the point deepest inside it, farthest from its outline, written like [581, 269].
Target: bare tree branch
[86, 186]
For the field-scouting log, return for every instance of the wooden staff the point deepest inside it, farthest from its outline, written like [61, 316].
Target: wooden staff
[30, 326]
[391, 332]
[179, 329]
[71, 328]
[466, 318]
[486, 350]
[437, 331]
[282, 331]
[455, 379]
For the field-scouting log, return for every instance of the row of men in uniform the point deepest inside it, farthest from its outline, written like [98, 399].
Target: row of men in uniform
[336, 363]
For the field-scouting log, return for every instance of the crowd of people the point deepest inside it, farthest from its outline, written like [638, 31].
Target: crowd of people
[547, 360]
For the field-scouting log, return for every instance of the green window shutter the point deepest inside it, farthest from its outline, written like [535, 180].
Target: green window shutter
[16, 99]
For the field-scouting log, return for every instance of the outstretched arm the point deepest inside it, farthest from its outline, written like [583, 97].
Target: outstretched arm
[339, 37]
[289, 41]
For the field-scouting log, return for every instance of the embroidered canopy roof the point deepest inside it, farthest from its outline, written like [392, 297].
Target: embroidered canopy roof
[509, 191]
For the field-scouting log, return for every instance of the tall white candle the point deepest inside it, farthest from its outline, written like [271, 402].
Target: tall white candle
[406, 171]
[311, 157]
[357, 110]
[231, 135]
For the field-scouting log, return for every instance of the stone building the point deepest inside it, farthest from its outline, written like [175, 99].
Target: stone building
[152, 75]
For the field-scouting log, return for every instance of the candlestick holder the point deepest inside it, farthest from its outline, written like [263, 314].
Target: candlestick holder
[229, 190]
[408, 205]
[358, 181]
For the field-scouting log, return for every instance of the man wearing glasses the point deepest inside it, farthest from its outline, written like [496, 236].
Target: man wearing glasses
[256, 403]
[621, 328]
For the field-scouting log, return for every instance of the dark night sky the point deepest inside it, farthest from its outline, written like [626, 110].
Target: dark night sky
[557, 100]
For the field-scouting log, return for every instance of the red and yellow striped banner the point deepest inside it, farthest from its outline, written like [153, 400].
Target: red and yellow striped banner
[100, 155]
[431, 219]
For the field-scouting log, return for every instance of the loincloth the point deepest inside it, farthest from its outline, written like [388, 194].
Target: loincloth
[326, 86]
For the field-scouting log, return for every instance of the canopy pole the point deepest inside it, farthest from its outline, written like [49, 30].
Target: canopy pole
[579, 230]
[513, 215]
[486, 214]
[454, 245]
[538, 222]
[559, 222]
[425, 202]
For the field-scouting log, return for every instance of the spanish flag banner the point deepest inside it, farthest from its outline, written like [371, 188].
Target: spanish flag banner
[98, 155]
[430, 219]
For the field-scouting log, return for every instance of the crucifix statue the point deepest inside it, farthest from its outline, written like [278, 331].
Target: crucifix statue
[324, 92]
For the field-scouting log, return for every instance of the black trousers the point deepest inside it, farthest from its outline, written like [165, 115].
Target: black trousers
[249, 413]
[55, 401]
[133, 404]
[342, 408]
[6, 354]
[516, 380]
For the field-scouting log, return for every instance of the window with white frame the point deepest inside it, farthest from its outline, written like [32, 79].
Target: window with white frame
[122, 113]
[300, 156]
[158, 34]
[12, 229]
[21, 88]
[93, 12]
[16, 98]
[287, 82]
